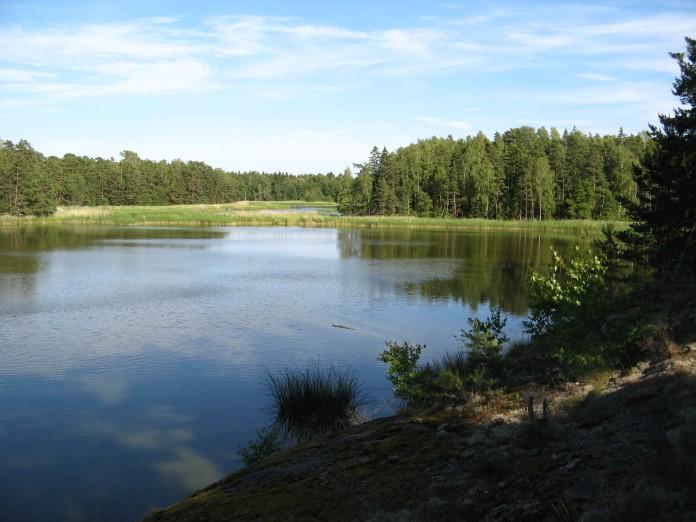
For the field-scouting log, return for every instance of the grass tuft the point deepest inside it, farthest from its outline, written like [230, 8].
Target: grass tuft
[312, 401]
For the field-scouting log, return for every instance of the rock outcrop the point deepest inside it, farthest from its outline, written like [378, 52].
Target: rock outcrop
[626, 451]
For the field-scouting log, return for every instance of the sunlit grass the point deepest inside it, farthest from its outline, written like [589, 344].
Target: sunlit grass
[286, 213]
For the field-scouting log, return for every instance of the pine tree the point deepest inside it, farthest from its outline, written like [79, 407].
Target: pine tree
[665, 228]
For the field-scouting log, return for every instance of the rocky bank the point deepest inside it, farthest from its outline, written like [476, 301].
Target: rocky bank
[620, 447]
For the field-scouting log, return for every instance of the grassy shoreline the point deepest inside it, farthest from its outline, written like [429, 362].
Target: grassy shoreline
[283, 213]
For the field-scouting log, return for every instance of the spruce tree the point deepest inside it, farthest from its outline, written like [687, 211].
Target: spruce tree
[665, 216]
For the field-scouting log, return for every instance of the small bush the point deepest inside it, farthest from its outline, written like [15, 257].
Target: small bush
[402, 364]
[483, 344]
[268, 441]
[313, 401]
[568, 289]
[567, 305]
[477, 368]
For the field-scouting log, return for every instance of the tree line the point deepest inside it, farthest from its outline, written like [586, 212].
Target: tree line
[524, 173]
[31, 183]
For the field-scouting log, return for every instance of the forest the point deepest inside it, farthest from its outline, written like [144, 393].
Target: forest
[524, 173]
[33, 184]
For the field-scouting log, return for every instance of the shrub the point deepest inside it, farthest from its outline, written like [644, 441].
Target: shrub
[402, 364]
[569, 288]
[476, 368]
[313, 401]
[266, 444]
[574, 316]
[484, 342]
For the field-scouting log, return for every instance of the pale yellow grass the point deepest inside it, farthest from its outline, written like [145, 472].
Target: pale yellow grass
[68, 212]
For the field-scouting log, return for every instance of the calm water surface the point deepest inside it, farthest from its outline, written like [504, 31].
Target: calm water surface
[132, 359]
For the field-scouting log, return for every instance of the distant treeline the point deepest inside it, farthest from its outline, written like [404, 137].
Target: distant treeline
[523, 173]
[31, 183]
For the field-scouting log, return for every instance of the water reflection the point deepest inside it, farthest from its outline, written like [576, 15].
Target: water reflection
[471, 268]
[63, 449]
[132, 359]
[53, 237]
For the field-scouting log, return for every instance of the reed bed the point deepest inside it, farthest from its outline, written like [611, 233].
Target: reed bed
[284, 213]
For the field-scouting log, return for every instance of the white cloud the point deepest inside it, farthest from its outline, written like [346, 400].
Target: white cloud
[417, 41]
[21, 76]
[62, 45]
[331, 32]
[109, 390]
[453, 124]
[285, 68]
[13, 103]
[152, 55]
[540, 42]
[636, 35]
[156, 55]
[639, 94]
[190, 469]
[157, 77]
[597, 77]
[666, 64]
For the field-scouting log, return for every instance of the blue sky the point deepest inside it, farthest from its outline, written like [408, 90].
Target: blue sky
[312, 86]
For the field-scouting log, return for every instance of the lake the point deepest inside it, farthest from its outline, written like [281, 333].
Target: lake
[132, 360]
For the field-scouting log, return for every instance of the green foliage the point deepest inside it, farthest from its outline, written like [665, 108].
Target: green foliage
[569, 288]
[313, 401]
[477, 368]
[480, 380]
[570, 303]
[483, 344]
[484, 340]
[402, 363]
[268, 441]
[32, 184]
[344, 199]
[612, 255]
[26, 188]
[522, 174]
[664, 229]
[569, 306]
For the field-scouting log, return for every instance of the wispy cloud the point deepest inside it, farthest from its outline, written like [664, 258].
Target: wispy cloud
[452, 124]
[643, 34]
[616, 93]
[159, 55]
[449, 66]
[21, 76]
[597, 77]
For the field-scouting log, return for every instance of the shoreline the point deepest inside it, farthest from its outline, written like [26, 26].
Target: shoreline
[287, 214]
[605, 439]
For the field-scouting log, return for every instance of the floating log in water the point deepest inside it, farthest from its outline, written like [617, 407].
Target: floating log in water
[341, 326]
